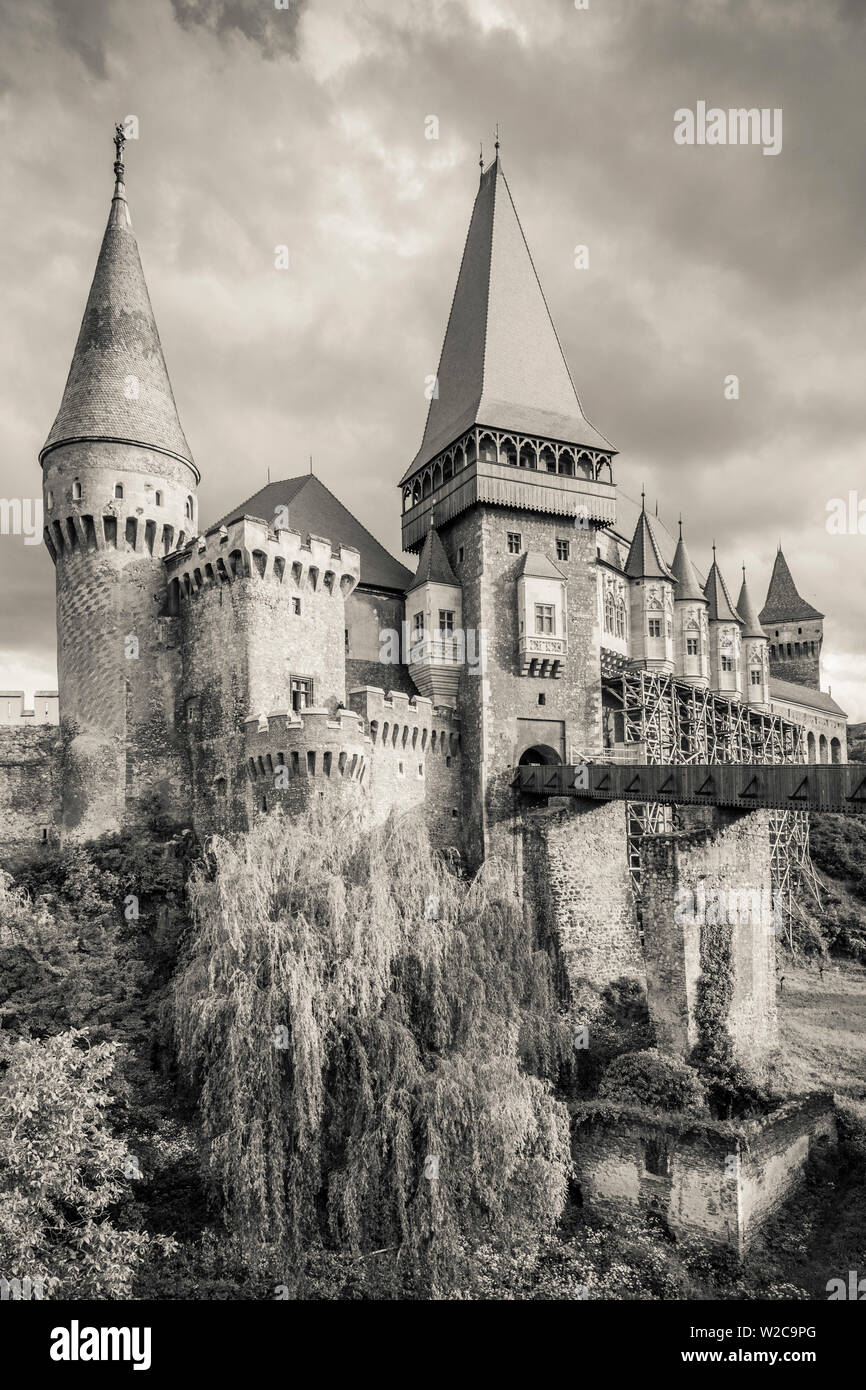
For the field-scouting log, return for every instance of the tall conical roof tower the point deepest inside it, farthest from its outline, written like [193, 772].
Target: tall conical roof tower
[683, 571]
[503, 394]
[722, 609]
[118, 387]
[783, 603]
[119, 488]
[691, 606]
[645, 559]
[748, 612]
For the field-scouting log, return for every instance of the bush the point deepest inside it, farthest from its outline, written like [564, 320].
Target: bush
[658, 1082]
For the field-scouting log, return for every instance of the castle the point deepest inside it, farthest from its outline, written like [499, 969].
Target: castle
[210, 672]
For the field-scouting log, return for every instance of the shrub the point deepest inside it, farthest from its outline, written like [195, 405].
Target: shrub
[658, 1082]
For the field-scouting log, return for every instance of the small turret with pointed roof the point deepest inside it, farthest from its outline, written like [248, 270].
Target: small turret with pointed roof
[756, 663]
[691, 631]
[794, 627]
[436, 650]
[725, 634]
[651, 598]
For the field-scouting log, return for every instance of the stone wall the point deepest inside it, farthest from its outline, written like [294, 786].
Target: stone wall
[29, 786]
[708, 1178]
[708, 910]
[576, 877]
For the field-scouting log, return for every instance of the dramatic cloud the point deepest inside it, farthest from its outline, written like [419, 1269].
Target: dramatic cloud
[306, 127]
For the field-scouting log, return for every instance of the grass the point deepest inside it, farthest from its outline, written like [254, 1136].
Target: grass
[822, 1025]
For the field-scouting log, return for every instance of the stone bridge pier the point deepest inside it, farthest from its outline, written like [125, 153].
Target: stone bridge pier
[705, 947]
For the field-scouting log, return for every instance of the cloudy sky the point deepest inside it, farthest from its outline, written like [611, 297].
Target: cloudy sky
[305, 126]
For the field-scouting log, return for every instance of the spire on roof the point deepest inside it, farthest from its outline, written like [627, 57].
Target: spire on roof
[118, 387]
[748, 612]
[721, 608]
[645, 559]
[502, 364]
[783, 603]
[683, 571]
[433, 566]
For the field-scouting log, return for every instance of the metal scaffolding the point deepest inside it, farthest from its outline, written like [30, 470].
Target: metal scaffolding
[651, 717]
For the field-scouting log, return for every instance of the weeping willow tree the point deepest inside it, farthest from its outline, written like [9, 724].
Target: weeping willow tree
[376, 1046]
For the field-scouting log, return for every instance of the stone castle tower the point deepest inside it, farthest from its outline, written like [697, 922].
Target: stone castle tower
[795, 629]
[119, 491]
[516, 482]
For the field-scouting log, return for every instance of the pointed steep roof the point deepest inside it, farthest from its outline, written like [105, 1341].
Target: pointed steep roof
[683, 571]
[118, 339]
[716, 590]
[645, 559]
[748, 612]
[502, 363]
[783, 603]
[433, 566]
[314, 510]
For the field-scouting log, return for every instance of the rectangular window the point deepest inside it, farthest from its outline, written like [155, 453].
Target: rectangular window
[418, 625]
[727, 663]
[691, 646]
[514, 542]
[296, 606]
[446, 622]
[544, 618]
[460, 553]
[655, 627]
[563, 549]
[755, 677]
[302, 692]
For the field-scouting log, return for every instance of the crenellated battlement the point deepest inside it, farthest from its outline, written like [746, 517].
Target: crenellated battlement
[397, 720]
[249, 548]
[315, 744]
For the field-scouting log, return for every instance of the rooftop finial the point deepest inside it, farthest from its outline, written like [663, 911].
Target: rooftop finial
[642, 497]
[714, 552]
[681, 523]
[119, 142]
[481, 157]
[496, 141]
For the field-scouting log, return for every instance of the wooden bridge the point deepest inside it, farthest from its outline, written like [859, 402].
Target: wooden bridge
[839, 787]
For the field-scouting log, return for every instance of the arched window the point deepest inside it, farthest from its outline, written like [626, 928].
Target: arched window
[584, 465]
[488, 449]
[50, 499]
[620, 617]
[566, 463]
[547, 459]
[189, 508]
[158, 500]
[76, 491]
[810, 746]
[459, 460]
[835, 751]
[427, 485]
[527, 457]
[407, 498]
[448, 470]
[609, 613]
[508, 453]
[118, 491]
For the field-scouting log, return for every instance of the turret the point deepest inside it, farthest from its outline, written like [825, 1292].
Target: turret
[794, 628]
[691, 629]
[435, 639]
[756, 658]
[119, 489]
[651, 597]
[725, 627]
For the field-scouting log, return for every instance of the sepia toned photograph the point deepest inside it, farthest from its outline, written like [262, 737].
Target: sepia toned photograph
[433, 665]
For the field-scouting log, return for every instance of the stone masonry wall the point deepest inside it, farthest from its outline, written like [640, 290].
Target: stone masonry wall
[700, 889]
[29, 785]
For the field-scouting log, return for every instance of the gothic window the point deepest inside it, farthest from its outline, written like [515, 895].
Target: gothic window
[563, 549]
[620, 617]
[609, 613]
[508, 453]
[692, 647]
[189, 508]
[727, 663]
[544, 622]
[755, 677]
[514, 543]
[566, 464]
[547, 459]
[302, 692]
[487, 449]
[655, 627]
[527, 457]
